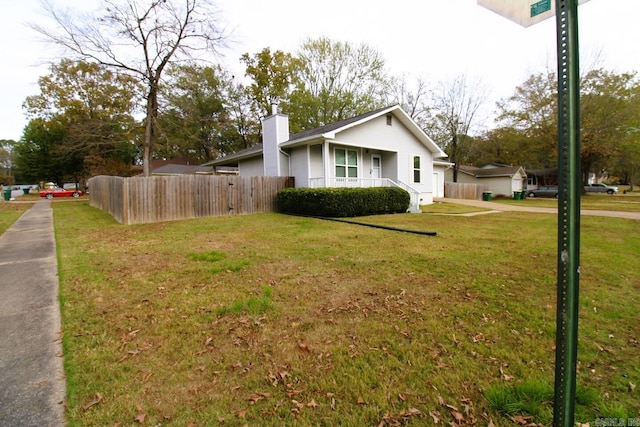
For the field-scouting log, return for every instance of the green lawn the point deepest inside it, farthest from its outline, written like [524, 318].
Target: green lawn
[10, 212]
[276, 320]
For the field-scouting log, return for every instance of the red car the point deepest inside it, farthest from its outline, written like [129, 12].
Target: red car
[50, 193]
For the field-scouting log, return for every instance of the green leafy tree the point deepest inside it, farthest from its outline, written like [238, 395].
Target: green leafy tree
[6, 156]
[336, 80]
[608, 114]
[95, 108]
[41, 155]
[273, 76]
[608, 118]
[198, 121]
[149, 35]
[505, 145]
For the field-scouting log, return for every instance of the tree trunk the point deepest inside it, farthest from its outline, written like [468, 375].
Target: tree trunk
[150, 130]
[454, 155]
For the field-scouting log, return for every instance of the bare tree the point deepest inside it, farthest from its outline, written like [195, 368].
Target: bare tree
[140, 38]
[413, 97]
[456, 106]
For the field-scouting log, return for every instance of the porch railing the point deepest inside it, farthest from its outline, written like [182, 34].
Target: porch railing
[349, 182]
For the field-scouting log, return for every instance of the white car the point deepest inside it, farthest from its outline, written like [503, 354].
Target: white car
[600, 188]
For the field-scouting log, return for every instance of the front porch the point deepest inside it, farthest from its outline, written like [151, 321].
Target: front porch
[322, 182]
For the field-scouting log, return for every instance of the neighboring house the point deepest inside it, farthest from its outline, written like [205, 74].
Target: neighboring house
[384, 147]
[441, 170]
[179, 166]
[500, 179]
[538, 177]
[175, 169]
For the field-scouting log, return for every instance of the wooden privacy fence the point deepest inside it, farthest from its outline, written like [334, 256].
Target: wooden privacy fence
[457, 190]
[139, 200]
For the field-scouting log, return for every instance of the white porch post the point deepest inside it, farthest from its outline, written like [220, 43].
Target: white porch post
[326, 163]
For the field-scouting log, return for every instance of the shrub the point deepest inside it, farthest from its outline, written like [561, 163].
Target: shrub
[342, 202]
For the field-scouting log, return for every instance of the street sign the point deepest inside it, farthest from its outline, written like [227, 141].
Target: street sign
[540, 7]
[523, 12]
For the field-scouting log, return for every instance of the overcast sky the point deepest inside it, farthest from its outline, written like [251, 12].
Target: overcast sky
[433, 39]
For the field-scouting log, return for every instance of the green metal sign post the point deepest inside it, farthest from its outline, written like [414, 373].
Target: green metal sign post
[526, 13]
[570, 191]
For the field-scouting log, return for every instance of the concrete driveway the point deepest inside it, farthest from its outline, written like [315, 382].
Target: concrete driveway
[504, 207]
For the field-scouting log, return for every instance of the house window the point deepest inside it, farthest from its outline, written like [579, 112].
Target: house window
[346, 163]
[416, 169]
[389, 119]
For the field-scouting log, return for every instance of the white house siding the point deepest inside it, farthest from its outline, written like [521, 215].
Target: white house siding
[316, 168]
[438, 182]
[516, 183]
[499, 186]
[390, 165]
[251, 167]
[378, 135]
[299, 165]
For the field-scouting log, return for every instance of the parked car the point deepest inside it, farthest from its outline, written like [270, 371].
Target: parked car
[50, 193]
[600, 188]
[544, 191]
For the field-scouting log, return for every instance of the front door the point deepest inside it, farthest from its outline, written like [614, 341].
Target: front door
[376, 166]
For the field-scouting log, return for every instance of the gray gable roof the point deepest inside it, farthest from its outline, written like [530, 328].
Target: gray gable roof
[491, 172]
[322, 131]
[256, 150]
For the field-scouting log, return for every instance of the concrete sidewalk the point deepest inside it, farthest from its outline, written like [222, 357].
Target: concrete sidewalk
[32, 382]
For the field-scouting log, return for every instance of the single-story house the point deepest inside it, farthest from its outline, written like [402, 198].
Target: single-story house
[384, 147]
[501, 180]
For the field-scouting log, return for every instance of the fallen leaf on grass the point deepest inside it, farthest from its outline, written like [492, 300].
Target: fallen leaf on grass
[435, 416]
[241, 413]
[361, 400]
[258, 397]
[303, 347]
[140, 418]
[522, 420]
[312, 404]
[457, 416]
[94, 402]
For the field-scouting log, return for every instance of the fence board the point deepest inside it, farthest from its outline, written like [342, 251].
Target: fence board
[458, 190]
[140, 200]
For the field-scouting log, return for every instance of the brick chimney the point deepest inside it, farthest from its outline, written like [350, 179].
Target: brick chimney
[275, 130]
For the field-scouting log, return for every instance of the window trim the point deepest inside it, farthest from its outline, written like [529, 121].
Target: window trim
[347, 167]
[415, 169]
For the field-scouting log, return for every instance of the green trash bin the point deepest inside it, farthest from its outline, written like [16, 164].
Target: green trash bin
[7, 194]
[486, 196]
[26, 190]
[517, 195]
